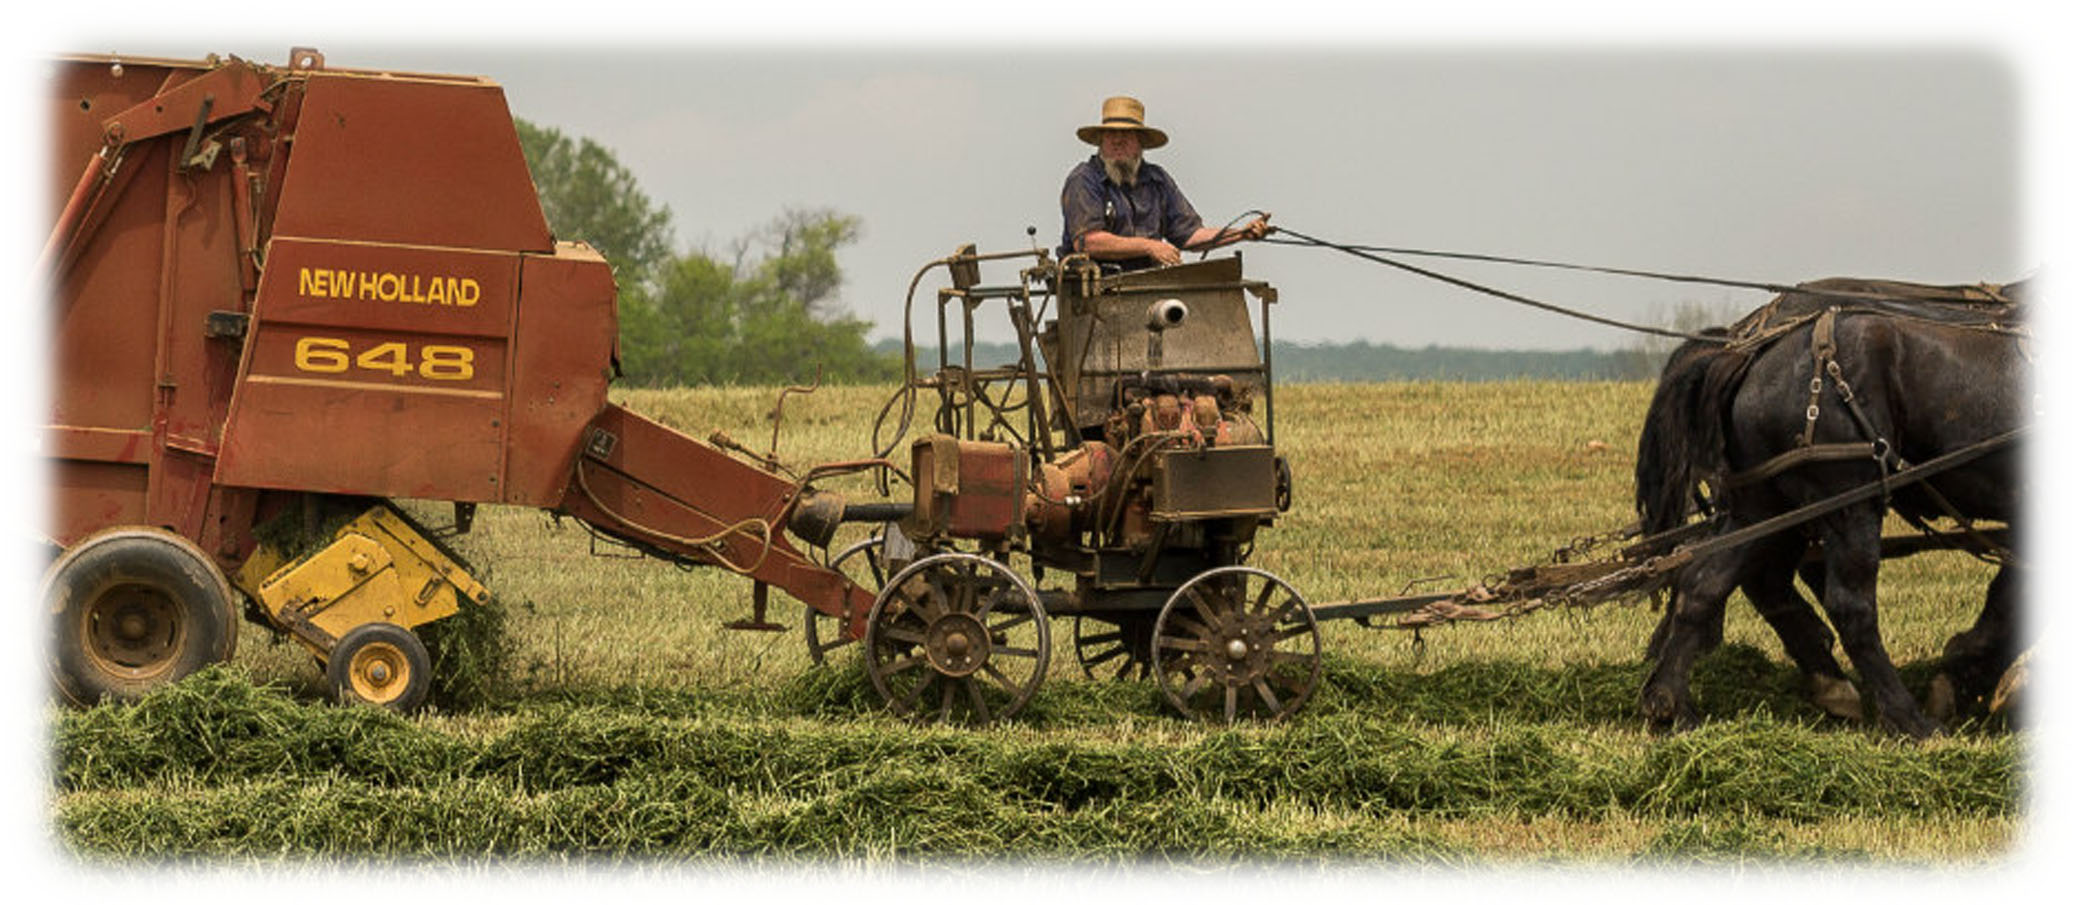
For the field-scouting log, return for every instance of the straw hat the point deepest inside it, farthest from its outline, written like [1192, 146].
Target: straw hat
[1123, 113]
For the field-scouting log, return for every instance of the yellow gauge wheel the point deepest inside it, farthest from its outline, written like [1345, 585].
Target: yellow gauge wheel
[381, 665]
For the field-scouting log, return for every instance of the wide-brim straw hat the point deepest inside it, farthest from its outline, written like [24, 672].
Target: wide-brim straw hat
[1122, 113]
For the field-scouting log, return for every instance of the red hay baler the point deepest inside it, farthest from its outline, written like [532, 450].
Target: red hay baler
[285, 296]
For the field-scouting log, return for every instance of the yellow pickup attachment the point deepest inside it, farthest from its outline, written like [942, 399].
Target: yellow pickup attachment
[358, 597]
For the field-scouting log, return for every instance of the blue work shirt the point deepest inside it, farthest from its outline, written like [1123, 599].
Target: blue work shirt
[1153, 207]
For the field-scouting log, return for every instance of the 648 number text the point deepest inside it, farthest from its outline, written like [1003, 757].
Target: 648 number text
[326, 355]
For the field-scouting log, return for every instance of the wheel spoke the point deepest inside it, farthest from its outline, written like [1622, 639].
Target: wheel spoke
[1190, 625]
[998, 592]
[1288, 633]
[1013, 687]
[1195, 684]
[1106, 656]
[1231, 703]
[965, 589]
[1193, 645]
[950, 690]
[1012, 622]
[1017, 651]
[1208, 612]
[897, 633]
[924, 603]
[914, 695]
[902, 665]
[1104, 638]
[1267, 696]
[1296, 684]
[1261, 599]
[1283, 611]
[979, 701]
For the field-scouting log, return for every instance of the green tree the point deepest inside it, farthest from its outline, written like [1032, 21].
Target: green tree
[589, 196]
[770, 316]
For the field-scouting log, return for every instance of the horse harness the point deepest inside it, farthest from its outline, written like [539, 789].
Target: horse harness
[2000, 314]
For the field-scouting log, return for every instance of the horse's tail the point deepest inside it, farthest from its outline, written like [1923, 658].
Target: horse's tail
[1682, 441]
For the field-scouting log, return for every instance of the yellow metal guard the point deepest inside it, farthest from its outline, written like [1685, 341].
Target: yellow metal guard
[377, 568]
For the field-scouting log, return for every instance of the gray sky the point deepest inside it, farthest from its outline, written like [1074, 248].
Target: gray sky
[1761, 161]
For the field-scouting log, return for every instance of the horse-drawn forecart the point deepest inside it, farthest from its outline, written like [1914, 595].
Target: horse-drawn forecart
[1128, 452]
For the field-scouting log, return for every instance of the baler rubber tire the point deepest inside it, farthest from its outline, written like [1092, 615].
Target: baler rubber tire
[132, 610]
[389, 647]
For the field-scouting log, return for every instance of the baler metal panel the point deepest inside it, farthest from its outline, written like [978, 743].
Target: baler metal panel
[562, 350]
[377, 370]
[411, 161]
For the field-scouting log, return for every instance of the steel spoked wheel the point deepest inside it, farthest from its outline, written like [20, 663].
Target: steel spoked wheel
[860, 562]
[957, 638]
[1121, 649]
[134, 609]
[381, 665]
[1236, 641]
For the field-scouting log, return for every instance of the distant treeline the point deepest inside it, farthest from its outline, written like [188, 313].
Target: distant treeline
[1358, 362]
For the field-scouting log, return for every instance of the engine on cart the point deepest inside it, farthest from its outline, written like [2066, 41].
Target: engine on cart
[1129, 454]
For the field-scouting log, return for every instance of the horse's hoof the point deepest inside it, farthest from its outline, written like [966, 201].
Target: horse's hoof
[2010, 689]
[1836, 696]
[1658, 705]
[1940, 703]
[1667, 712]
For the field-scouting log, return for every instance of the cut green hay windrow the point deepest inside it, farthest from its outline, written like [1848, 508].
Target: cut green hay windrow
[225, 753]
[615, 720]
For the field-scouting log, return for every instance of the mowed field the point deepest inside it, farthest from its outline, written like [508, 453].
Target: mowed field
[627, 725]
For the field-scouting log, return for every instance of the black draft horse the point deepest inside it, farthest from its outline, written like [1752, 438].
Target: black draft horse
[1932, 370]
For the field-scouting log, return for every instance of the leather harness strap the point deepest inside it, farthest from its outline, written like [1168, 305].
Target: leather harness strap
[1823, 352]
[1823, 348]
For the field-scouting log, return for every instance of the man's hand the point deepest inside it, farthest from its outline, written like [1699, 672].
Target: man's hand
[1256, 230]
[1163, 253]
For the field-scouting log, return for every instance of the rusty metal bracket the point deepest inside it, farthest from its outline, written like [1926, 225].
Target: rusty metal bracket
[759, 600]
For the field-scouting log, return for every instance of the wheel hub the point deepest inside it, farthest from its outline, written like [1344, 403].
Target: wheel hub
[1243, 642]
[133, 627]
[378, 671]
[957, 644]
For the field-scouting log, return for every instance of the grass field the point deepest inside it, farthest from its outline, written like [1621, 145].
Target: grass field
[627, 726]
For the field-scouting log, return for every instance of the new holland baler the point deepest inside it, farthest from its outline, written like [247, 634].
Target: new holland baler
[284, 296]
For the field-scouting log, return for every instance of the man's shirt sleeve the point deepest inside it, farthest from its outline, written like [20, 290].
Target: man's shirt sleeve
[1182, 221]
[1080, 207]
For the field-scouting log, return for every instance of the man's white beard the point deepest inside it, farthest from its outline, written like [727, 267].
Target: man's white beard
[1122, 172]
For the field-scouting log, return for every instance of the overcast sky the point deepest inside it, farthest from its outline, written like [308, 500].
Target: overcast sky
[1760, 161]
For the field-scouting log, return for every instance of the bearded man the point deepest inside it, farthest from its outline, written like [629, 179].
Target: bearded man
[1121, 210]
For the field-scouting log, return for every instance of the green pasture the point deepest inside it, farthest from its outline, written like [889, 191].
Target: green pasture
[619, 721]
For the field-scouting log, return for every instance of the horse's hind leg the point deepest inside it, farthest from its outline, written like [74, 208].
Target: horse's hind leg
[1803, 634]
[1976, 658]
[1851, 558]
[1699, 593]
